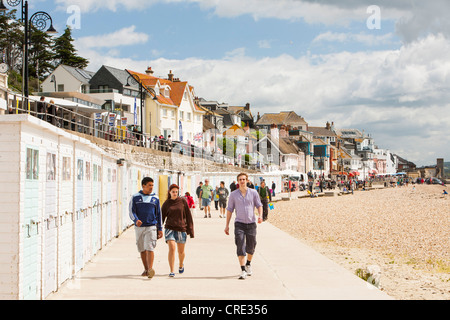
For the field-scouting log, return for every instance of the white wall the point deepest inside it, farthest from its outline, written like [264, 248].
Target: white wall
[71, 84]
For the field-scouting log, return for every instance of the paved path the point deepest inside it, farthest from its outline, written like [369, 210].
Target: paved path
[283, 268]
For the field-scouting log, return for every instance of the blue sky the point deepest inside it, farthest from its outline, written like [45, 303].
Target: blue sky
[316, 57]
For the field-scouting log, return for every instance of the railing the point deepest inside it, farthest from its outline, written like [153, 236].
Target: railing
[74, 121]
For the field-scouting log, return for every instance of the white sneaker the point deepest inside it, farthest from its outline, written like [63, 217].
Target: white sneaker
[243, 275]
[248, 269]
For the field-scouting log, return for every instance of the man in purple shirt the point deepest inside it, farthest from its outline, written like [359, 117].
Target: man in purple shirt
[244, 200]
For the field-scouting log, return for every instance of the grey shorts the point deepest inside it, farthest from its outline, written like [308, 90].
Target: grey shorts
[245, 238]
[223, 203]
[146, 238]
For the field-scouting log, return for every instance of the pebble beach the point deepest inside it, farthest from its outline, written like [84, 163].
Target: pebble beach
[405, 231]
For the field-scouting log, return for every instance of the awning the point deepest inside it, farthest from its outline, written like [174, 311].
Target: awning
[68, 104]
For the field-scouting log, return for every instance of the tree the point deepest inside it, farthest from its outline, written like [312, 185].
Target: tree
[11, 40]
[41, 55]
[65, 52]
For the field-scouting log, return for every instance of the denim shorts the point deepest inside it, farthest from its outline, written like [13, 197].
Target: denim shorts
[177, 236]
[206, 202]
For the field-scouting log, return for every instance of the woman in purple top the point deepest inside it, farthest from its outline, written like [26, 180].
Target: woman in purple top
[244, 200]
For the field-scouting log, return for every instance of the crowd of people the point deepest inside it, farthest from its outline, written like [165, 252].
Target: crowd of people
[175, 214]
[206, 194]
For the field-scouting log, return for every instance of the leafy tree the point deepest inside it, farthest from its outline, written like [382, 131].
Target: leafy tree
[65, 52]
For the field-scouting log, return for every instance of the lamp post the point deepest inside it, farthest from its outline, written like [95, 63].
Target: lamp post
[39, 20]
[136, 80]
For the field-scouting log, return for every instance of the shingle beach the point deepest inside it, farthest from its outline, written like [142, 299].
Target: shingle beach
[404, 230]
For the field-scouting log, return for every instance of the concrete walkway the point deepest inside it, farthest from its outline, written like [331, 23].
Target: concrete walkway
[283, 269]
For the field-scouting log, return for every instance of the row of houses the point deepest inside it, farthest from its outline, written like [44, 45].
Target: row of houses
[169, 107]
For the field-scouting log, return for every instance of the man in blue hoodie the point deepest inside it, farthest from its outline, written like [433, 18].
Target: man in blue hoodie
[145, 211]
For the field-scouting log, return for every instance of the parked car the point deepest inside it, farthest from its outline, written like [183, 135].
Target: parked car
[435, 181]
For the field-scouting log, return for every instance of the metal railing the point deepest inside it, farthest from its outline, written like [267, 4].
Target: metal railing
[75, 121]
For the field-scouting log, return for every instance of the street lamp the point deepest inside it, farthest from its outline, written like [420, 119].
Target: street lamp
[39, 20]
[136, 80]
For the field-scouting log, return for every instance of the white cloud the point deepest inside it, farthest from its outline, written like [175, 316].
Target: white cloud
[112, 5]
[414, 19]
[399, 96]
[124, 37]
[363, 38]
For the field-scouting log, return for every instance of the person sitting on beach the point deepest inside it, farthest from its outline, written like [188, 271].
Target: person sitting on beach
[445, 192]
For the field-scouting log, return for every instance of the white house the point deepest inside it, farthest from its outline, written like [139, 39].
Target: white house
[171, 109]
[67, 79]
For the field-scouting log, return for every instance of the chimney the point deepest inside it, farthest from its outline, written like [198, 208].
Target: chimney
[171, 76]
[149, 71]
[259, 117]
[283, 133]
[274, 132]
[328, 126]
[247, 106]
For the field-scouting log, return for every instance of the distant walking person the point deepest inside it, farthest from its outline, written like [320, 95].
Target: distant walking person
[198, 192]
[42, 109]
[178, 224]
[244, 200]
[273, 188]
[265, 196]
[223, 196]
[145, 212]
[207, 194]
[216, 198]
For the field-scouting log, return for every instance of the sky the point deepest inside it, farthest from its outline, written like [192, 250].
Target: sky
[378, 66]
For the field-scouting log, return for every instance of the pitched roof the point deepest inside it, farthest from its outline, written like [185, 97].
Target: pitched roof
[284, 145]
[286, 118]
[321, 132]
[81, 75]
[349, 133]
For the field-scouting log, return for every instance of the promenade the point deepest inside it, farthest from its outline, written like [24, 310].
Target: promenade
[283, 269]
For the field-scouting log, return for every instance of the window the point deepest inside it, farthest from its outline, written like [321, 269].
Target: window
[80, 171]
[182, 115]
[188, 116]
[32, 164]
[172, 114]
[103, 89]
[66, 173]
[51, 167]
[88, 171]
[164, 112]
[95, 177]
[60, 88]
